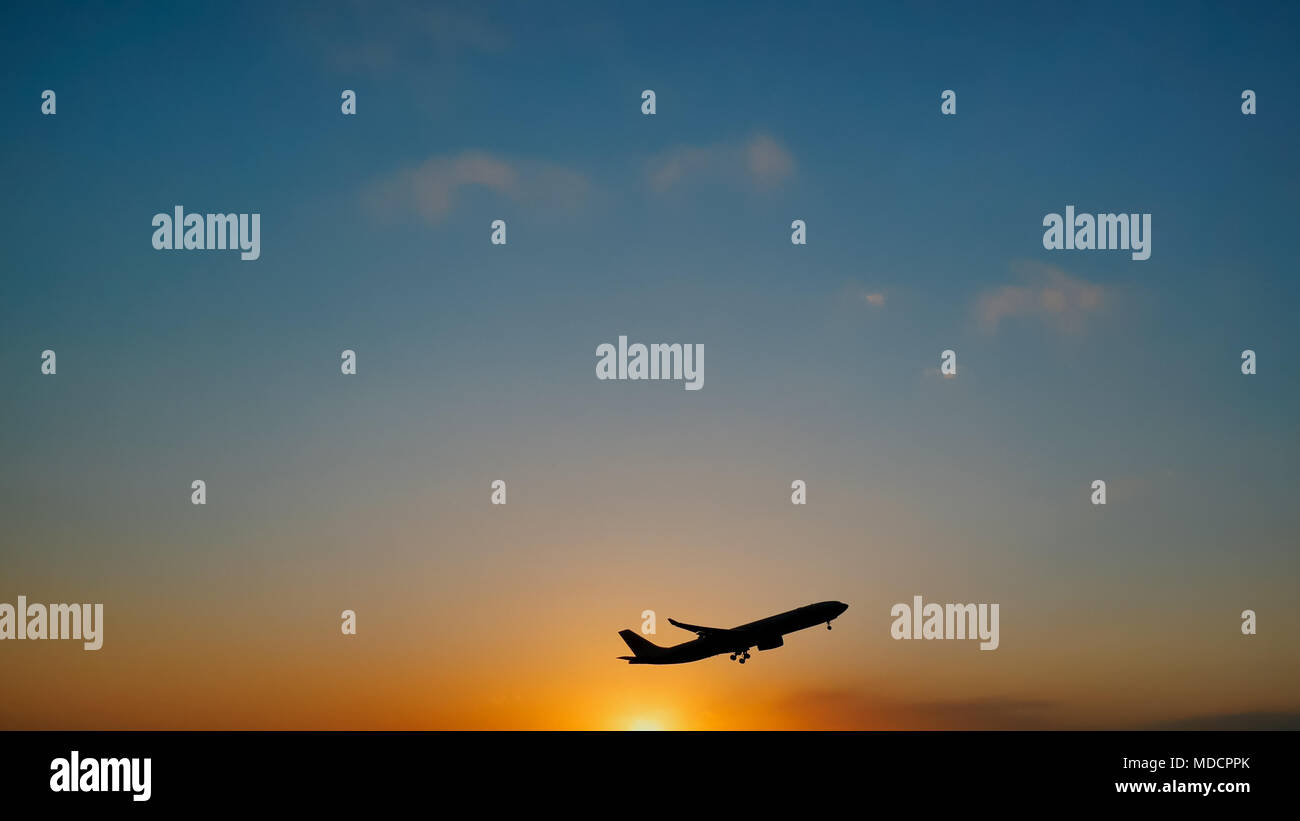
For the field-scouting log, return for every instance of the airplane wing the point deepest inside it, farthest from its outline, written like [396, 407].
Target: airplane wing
[703, 632]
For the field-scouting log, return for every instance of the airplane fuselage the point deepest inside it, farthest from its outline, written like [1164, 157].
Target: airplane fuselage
[764, 634]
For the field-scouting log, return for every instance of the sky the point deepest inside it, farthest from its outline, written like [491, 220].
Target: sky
[476, 362]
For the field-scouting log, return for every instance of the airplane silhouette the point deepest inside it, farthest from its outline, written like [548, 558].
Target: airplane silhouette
[765, 634]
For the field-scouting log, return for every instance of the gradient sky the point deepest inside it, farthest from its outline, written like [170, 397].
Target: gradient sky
[477, 363]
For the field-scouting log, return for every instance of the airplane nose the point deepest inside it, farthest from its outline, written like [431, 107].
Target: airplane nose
[842, 607]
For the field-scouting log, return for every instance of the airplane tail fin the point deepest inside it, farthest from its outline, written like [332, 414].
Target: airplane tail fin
[641, 647]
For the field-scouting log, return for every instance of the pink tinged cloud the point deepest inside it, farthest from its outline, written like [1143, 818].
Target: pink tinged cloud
[431, 188]
[760, 161]
[1046, 293]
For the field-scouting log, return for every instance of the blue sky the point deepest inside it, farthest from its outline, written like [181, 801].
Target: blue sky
[477, 361]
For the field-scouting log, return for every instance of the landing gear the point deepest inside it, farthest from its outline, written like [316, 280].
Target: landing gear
[740, 655]
[733, 656]
[828, 625]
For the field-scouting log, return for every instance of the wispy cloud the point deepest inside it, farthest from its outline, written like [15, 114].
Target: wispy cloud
[1261, 720]
[851, 710]
[760, 161]
[1045, 293]
[431, 188]
[859, 296]
[358, 36]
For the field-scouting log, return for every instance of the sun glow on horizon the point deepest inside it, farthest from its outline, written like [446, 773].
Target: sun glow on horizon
[644, 723]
